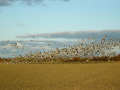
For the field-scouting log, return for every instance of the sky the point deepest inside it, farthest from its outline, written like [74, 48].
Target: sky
[33, 17]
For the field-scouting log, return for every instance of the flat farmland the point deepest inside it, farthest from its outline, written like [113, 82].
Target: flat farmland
[95, 76]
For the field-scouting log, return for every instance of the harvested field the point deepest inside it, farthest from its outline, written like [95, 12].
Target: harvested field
[94, 76]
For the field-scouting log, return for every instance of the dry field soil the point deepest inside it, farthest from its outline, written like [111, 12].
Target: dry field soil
[95, 76]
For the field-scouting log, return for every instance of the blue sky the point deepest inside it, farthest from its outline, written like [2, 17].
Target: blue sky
[49, 16]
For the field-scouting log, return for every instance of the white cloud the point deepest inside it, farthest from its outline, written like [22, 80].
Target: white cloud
[19, 45]
[6, 46]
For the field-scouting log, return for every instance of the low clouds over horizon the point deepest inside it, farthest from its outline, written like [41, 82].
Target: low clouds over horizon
[75, 35]
[28, 2]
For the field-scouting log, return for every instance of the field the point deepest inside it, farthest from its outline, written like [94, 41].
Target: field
[94, 76]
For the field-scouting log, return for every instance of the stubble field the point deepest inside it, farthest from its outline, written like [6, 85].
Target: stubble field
[95, 76]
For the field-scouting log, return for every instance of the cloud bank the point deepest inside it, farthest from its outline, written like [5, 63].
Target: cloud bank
[28, 2]
[75, 35]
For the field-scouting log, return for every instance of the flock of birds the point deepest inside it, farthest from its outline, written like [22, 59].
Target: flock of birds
[85, 48]
[10, 48]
